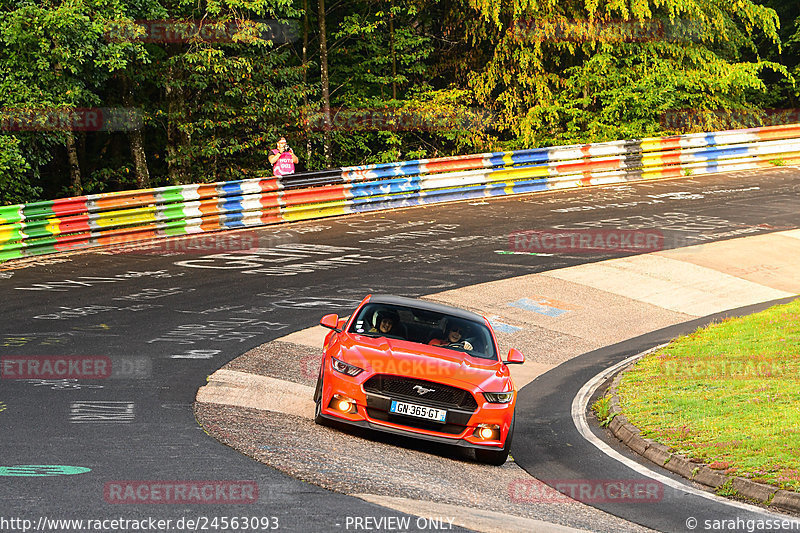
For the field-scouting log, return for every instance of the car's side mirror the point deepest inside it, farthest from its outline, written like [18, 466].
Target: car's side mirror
[331, 322]
[515, 357]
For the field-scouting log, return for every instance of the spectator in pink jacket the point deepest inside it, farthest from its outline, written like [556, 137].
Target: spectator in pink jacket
[282, 159]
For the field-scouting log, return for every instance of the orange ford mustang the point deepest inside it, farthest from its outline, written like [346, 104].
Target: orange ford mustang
[421, 369]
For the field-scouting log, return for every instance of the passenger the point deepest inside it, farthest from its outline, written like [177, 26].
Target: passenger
[453, 338]
[386, 324]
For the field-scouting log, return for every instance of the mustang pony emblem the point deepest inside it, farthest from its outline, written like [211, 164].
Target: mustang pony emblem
[422, 390]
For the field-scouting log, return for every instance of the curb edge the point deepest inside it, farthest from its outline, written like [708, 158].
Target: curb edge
[665, 457]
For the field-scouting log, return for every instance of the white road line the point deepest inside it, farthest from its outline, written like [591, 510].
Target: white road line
[579, 404]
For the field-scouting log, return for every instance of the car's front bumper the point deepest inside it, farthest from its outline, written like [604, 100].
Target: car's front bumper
[372, 413]
[366, 424]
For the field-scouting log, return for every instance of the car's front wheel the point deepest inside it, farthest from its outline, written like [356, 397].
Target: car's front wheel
[496, 457]
[318, 418]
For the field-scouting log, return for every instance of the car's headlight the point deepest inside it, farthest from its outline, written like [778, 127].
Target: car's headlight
[345, 368]
[499, 397]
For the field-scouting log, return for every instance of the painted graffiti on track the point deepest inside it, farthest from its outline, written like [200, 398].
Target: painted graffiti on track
[154, 293]
[363, 227]
[214, 310]
[676, 221]
[311, 302]
[284, 260]
[42, 470]
[227, 330]
[91, 281]
[15, 340]
[435, 230]
[102, 412]
[616, 201]
[62, 384]
[67, 313]
[196, 354]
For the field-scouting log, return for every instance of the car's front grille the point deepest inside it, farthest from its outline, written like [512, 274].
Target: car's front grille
[410, 388]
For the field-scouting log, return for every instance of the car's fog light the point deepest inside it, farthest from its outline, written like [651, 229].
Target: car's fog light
[343, 403]
[487, 432]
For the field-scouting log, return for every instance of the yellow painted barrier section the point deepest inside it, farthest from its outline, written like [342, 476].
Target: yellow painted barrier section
[53, 226]
[304, 212]
[519, 173]
[10, 232]
[656, 143]
[125, 217]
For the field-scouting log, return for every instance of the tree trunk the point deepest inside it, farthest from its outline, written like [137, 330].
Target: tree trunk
[176, 107]
[178, 141]
[305, 77]
[75, 181]
[394, 55]
[74, 166]
[326, 96]
[136, 140]
[139, 159]
[173, 168]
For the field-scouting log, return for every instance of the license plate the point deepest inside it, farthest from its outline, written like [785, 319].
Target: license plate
[419, 411]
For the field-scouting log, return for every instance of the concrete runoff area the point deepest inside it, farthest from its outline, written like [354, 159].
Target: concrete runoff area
[559, 314]
[474, 519]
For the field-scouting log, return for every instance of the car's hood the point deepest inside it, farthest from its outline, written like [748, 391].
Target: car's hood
[381, 355]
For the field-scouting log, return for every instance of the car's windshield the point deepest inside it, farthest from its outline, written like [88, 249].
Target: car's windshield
[425, 327]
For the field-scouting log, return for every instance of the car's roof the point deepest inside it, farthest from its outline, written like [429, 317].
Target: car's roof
[426, 306]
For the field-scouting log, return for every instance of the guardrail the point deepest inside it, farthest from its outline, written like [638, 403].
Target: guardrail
[142, 215]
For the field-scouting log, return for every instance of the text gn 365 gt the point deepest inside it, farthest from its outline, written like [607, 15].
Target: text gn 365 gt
[421, 369]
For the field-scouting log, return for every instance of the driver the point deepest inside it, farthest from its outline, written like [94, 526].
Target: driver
[453, 338]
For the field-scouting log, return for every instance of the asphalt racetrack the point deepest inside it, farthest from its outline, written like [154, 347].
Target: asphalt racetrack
[83, 449]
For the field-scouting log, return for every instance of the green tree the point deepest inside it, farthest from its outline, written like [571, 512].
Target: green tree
[405, 80]
[226, 98]
[54, 59]
[589, 71]
[15, 182]
[784, 91]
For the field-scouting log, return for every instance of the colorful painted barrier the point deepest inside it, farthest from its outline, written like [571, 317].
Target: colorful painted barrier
[142, 215]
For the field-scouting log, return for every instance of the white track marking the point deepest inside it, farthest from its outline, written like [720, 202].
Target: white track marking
[579, 404]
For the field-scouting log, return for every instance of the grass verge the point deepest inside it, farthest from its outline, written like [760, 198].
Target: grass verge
[727, 395]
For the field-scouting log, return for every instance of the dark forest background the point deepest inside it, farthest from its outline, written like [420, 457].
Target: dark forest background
[199, 91]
